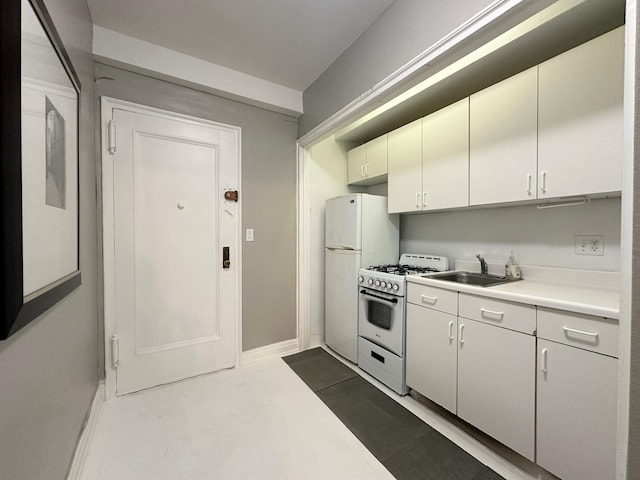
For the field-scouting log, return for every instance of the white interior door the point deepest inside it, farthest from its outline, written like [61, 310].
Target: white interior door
[175, 303]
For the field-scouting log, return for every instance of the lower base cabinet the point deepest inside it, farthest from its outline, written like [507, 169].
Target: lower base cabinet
[496, 383]
[551, 398]
[576, 399]
[432, 356]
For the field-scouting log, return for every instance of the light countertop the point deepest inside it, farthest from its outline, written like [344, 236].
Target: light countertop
[596, 299]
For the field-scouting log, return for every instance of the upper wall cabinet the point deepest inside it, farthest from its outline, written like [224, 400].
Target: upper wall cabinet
[503, 140]
[580, 119]
[429, 161]
[554, 130]
[445, 157]
[367, 164]
[405, 168]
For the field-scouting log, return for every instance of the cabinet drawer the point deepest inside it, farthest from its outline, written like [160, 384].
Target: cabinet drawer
[432, 297]
[514, 316]
[588, 332]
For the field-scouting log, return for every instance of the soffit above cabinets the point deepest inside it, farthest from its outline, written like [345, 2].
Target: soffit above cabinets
[485, 58]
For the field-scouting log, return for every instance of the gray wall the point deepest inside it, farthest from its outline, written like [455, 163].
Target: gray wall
[403, 31]
[49, 369]
[267, 192]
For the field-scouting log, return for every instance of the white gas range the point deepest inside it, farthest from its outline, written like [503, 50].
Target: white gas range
[381, 322]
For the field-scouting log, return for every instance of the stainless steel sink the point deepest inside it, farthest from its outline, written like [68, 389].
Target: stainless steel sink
[471, 278]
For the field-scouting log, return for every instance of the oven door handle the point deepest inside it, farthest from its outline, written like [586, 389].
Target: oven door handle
[389, 302]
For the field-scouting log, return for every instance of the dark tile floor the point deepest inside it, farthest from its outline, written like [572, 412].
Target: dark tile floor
[409, 448]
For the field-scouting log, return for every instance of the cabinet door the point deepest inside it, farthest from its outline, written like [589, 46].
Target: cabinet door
[576, 431]
[431, 355]
[356, 159]
[445, 157]
[503, 140]
[496, 383]
[376, 163]
[405, 168]
[581, 124]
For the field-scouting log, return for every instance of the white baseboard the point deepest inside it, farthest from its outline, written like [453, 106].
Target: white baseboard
[279, 349]
[82, 449]
[315, 341]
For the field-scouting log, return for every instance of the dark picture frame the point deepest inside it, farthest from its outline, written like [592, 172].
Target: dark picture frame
[19, 308]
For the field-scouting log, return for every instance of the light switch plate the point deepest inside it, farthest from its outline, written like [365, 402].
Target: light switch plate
[249, 235]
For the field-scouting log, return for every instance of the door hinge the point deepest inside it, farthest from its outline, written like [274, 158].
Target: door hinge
[115, 351]
[111, 134]
[231, 195]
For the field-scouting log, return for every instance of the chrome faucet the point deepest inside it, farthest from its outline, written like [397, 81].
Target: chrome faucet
[483, 265]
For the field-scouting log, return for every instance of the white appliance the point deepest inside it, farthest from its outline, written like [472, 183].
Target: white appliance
[381, 321]
[358, 231]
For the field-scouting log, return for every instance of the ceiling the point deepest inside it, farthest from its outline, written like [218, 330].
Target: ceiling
[287, 42]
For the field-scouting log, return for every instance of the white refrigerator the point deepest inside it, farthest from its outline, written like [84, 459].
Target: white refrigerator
[358, 233]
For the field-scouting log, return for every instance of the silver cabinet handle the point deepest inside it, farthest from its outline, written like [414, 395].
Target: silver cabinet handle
[581, 332]
[424, 199]
[418, 199]
[543, 182]
[461, 334]
[491, 312]
[451, 331]
[544, 360]
[528, 183]
[428, 299]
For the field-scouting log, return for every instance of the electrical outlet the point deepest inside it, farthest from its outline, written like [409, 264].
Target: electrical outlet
[589, 244]
[249, 235]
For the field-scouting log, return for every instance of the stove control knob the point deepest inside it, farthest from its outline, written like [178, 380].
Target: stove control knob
[395, 287]
[370, 281]
[377, 283]
[360, 279]
[383, 284]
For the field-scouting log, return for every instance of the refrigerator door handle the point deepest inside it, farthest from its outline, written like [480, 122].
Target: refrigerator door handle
[341, 248]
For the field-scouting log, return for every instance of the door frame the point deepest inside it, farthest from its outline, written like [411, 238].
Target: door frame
[105, 192]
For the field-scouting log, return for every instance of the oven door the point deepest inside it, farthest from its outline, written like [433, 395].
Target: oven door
[381, 319]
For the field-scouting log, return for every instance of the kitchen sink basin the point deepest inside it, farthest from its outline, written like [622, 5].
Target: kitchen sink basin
[471, 278]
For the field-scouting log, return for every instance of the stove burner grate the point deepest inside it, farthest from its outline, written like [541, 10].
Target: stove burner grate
[402, 269]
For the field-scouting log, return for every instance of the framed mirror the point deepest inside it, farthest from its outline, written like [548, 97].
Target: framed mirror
[38, 165]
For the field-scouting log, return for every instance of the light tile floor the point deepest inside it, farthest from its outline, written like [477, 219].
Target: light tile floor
[258, 421]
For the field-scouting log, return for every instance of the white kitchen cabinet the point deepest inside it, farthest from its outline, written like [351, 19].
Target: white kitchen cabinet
[482, 372]
[429, 161]
[445, 157]
[511, 315]
[580, 119]
[503, 140]
[367, 163]
[405, 168]
[377, 157]
[431, 353]
[496, 383]
[439, 299]
[356, 161]
[577, 394]
[588, 332]
[576, 412]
